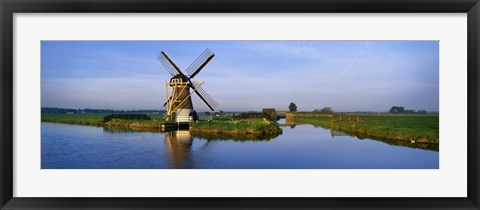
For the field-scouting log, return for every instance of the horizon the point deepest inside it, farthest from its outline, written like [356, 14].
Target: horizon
[349, 76]
[233, 111]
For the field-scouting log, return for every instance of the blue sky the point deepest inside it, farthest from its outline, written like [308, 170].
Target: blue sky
[245, 75]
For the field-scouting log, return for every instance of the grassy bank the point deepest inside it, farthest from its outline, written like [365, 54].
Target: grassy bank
[136, 124]
[222, 125]
[91, 119]
[416, 128]
[244, 126]
[78, 119]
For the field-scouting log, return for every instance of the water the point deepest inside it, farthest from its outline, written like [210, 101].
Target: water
[301, 147]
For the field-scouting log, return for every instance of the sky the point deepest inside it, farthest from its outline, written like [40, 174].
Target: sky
[245, 75]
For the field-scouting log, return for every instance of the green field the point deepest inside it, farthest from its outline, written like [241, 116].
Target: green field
[79, 119]
[217, 118]
[86, 119]
[414, 128]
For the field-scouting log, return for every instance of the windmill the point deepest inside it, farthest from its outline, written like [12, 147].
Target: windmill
[179, 104]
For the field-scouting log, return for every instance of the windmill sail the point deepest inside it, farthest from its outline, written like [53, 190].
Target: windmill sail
[172, 66]
[167, 65]
[199, 63]
[180, 107]
[212, 104]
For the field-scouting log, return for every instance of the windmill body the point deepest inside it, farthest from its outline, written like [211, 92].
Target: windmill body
[179, 103]
[183, 103]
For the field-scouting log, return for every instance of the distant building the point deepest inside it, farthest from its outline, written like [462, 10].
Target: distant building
[271, 112]
[208, 116]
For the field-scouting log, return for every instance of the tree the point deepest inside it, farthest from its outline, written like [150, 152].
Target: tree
[397, 110]
[292, 107]
[409, 111]
[422, 112]
[324, 110]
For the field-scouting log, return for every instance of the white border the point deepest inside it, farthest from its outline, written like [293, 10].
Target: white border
[448, 181]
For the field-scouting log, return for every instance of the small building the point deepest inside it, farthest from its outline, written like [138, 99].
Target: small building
[208, 116]
[271, 112]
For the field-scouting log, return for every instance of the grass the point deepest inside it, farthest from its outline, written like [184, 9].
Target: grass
[94, 119]
[78, 119]
[216, 118]
[416, 128]
[219, 124]
[244, 126]
[135, 124]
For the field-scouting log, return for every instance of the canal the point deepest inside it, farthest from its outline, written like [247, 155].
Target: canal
[65, 146]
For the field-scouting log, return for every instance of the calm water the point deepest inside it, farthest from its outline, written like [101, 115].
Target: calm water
[303, 146]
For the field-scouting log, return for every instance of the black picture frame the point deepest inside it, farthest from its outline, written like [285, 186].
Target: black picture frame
[9, 7]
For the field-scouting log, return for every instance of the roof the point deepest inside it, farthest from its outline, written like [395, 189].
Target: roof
[181, 76]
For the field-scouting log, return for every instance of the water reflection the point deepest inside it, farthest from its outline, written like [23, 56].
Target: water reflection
[179, 144]
[303, 147]
[335, 133]
[433, 147]
[130, 130]
[235, 137]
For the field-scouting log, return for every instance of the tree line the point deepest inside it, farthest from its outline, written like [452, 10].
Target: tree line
[402, 110]
[54, 110]
[292, 107]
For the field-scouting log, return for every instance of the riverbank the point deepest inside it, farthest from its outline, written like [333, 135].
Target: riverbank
[244, 126]
[135, 124]
[77, 119]
[422, 129]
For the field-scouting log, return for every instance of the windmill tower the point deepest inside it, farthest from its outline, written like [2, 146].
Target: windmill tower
[179, 103]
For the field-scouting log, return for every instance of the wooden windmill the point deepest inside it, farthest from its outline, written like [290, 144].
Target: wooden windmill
[179, 104]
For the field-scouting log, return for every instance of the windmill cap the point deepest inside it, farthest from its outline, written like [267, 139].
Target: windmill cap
[180, 76]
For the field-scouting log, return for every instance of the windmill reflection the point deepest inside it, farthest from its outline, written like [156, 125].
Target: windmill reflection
[178, 144]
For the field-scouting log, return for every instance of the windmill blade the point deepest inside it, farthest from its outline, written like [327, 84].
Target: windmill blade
[167, 65]
[200, 62]
[169, 62]
[207, 99]
[211, 106]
